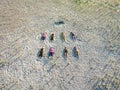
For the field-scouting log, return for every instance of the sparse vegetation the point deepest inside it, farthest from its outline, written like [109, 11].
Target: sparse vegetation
[3, 62]
[82, 1]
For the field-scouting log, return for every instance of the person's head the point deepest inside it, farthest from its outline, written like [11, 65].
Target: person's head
[42, 48]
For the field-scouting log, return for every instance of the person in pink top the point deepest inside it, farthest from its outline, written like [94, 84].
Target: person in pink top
[51, 51]
[44, 35]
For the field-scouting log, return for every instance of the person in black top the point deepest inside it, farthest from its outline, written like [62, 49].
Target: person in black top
[41, 52]
[52, 37]
[65, 52]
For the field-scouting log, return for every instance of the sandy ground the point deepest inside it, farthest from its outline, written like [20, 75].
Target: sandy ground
[97, 26]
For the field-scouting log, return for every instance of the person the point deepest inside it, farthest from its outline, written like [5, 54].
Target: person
[73, 35]
[52, 37]
[63, 36]
[51, 51]
[76, 51]
[41, 52]
[59, 22]
[65, 51]
[44, 35]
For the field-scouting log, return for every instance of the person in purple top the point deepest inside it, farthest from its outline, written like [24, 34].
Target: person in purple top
[73, 36]
[44, 36]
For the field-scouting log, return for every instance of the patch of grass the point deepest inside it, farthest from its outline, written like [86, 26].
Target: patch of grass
[81, 1]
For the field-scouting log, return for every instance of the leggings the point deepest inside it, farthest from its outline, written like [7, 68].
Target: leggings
[51, 54]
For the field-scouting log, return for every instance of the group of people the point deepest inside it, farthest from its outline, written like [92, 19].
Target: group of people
[52, 52]
[52, 49]
[44, 36]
